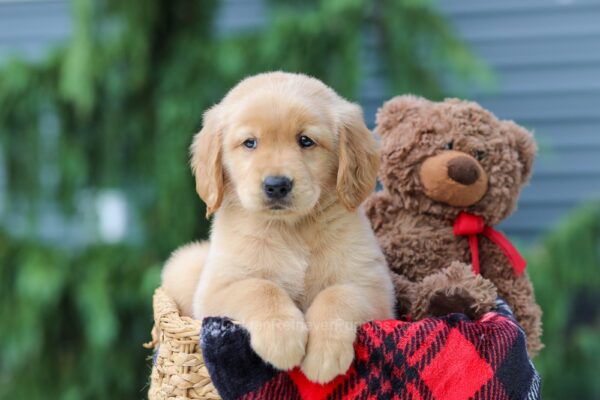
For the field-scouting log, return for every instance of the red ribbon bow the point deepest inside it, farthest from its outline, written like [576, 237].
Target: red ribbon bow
[472, 225]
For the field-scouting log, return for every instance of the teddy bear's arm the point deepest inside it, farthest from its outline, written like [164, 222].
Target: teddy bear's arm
[405, 293]
[455, 289]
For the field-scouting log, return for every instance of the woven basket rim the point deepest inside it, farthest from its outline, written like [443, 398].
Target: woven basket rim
[178, 371]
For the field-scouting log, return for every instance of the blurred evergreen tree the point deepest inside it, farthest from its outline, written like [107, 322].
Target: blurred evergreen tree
[115, 108]
[566, 270]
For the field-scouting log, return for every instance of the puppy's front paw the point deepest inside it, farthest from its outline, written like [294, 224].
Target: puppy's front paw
[281, 342]
[328, 355]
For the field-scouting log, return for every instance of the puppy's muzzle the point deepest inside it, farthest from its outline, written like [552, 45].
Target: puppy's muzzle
[277, 187]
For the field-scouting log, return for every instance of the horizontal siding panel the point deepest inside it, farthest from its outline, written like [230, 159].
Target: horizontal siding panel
[571, 104]
[18, 9]
[36, 27]
[26, 50]
[584, 161]
[28, 18]
[523, 104]
[532, 107]
[550, 22]
[41, 38]
[29, 28]
[460, 7]
[375, 92]
[240, 15]
[522, 239]
[539, 51]
[567, 134]
[370, 109]
[534, 218]
[558, 191]
[536, 78]
[522, 52]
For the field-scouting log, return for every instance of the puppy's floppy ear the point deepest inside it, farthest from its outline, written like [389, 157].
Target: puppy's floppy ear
[526, 147]
[358, 158]
[206, 162]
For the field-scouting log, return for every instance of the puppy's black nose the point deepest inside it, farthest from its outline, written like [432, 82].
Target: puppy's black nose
[277, 187]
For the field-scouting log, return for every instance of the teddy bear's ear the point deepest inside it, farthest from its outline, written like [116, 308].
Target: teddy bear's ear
[398, 110]
[526, 147]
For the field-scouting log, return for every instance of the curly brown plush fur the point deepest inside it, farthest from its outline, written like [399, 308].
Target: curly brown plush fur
[439, 159]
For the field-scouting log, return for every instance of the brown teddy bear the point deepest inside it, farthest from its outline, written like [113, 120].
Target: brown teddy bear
[451, 171]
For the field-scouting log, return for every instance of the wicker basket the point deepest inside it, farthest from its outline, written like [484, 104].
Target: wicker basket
[178, 371]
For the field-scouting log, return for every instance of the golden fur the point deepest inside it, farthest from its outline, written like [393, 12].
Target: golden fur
[301, 278]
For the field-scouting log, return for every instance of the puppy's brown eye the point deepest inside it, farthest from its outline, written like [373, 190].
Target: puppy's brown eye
[305, 141]
[250, 143]
[479, 154]
[449, 145]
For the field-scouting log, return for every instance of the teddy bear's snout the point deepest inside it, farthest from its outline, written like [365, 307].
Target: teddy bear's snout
[454, 178]
[463, 169]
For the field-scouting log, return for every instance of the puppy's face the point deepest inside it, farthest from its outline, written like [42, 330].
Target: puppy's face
[280, 154]
[281, 143]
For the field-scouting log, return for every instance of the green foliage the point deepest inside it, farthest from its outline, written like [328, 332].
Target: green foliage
[73, 324]
[115, 108]
[566, 271]
[404, 25]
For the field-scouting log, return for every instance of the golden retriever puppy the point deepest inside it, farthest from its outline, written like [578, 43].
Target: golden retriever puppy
[283, 162]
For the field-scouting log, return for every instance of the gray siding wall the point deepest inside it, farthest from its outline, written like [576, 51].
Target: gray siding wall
[546, 54]
[28, 28]
[546, 57]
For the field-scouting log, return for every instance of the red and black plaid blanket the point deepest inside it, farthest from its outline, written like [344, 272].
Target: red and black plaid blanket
[450, 358]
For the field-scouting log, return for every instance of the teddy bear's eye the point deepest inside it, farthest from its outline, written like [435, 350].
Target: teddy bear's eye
[479, 154]
[449, 145]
